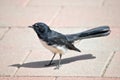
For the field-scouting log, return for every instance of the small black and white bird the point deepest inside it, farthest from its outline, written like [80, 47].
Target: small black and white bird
[59, 43]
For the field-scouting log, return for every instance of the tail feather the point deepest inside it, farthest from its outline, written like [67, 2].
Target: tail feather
[95, 32]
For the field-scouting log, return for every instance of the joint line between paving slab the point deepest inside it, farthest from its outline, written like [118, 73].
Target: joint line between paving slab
[5, 33]
[103, 3]
[56, 78]
[107, 64]
[57, 13]
[22, 62]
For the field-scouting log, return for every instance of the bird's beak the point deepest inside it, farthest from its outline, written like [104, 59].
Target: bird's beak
[30, 26]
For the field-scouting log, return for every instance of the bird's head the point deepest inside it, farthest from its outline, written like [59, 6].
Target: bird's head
[40, 28]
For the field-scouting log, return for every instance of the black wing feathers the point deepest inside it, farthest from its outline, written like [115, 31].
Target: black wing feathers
[59, 39]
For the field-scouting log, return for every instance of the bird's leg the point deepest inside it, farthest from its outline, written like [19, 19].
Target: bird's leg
[50, 63]
[59, 62]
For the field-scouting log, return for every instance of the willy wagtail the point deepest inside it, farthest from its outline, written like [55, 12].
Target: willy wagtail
[59, 43]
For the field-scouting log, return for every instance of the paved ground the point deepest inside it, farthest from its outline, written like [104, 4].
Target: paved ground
[21, 53]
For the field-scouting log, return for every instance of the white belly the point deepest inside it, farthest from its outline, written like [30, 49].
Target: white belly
[55, 48]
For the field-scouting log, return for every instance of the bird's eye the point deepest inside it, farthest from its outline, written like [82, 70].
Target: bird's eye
[42, 29]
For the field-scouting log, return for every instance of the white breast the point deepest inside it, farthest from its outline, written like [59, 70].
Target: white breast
[54, 48]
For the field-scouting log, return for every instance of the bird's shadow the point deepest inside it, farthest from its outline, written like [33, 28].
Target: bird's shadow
[41, 64]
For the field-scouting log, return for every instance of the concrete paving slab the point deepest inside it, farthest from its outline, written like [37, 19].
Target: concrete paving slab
[2, 32]
[113, 69]
[73, 64]
[111, 3]
[85, 78]
[26, 16]
[9, 56]
[58, 78]
[13, 3]
[21, 38]
[54, 78]
[71, 16]
[65, 3]
[27, 78]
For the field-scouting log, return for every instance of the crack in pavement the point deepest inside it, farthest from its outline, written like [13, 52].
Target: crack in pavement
[103, 2]
[107, 64]
[5, 33]
[30, 51]
[56, 14]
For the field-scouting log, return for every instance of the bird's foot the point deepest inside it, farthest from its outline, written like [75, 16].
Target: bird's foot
[57, 67]
[49, 64]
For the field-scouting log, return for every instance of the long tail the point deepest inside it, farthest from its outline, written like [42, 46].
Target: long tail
[95, 32]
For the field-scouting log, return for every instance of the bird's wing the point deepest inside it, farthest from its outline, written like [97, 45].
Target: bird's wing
[72, 37]
[60, 41]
